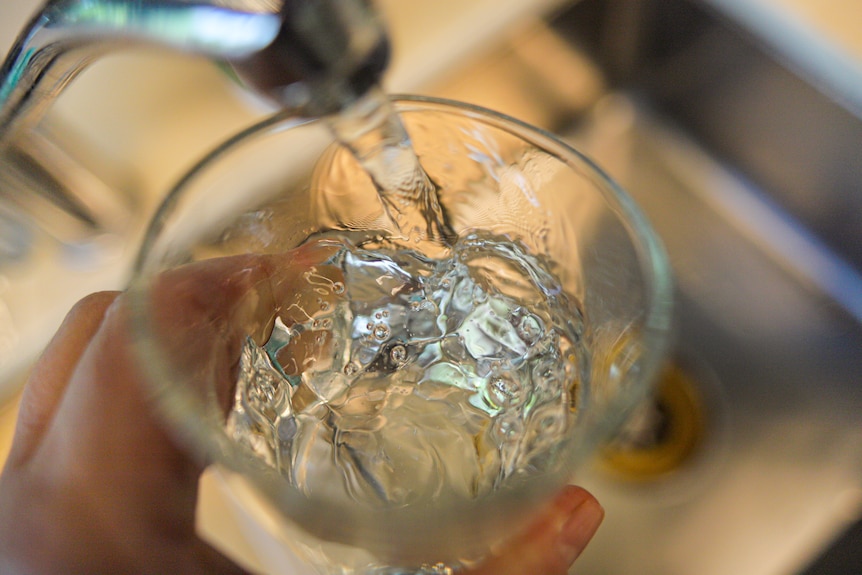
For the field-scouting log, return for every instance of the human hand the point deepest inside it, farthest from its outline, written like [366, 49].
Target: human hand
[94, 482]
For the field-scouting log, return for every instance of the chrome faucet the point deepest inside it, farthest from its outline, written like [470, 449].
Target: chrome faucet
[310, 56]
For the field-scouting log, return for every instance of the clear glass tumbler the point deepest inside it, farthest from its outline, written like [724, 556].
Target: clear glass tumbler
[267, 190]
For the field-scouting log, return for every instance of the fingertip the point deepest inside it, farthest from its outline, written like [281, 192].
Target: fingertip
[51, 372]
[585, 515]
[554, 540]
[571, 497]
[93, 306]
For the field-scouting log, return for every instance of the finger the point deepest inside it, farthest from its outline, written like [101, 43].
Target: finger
[200, 308]
[108, 427]
[240, 293]
[552, 543]
[50, 375]
[104, 448]
[203, 312]
[111, 465]
[104, 432]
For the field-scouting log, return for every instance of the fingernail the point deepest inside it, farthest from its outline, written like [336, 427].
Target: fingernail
[579, 529]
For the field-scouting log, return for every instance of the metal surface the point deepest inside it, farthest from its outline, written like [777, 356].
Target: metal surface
[759, 97]
[313, 57]
[780, 470]
[680, 105]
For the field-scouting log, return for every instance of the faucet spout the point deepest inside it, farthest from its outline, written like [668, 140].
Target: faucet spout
[311, 56]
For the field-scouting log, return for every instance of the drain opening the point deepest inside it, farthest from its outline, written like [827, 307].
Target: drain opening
[663, 434]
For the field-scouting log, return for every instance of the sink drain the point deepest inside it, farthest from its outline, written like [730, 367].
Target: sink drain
[663, 434]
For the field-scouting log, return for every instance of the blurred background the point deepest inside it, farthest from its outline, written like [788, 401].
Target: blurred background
[735, 124]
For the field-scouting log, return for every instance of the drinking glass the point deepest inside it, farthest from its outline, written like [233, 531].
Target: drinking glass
[267, 190]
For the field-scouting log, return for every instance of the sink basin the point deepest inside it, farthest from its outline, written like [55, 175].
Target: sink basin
[775, 363]
[679, 101]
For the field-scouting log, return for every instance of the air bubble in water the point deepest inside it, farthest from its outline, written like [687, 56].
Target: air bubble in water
[398, 355]
[508, 429]
[529, 328]
[459, 371]
[381, 331]
[505, 391]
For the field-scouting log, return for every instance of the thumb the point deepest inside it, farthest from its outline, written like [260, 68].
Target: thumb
[552, 543]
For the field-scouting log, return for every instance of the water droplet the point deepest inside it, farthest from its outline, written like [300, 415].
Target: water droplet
[378, 315]
[351, 369]
[508, 429]
[551, 424]
[385, 313]
[324, 306]
[369, 326]
[338, 287]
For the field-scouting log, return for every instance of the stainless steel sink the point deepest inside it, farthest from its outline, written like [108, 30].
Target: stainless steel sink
[750, 171]
[776, 364]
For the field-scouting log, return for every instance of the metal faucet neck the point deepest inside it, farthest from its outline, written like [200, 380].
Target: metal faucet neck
[311, 56]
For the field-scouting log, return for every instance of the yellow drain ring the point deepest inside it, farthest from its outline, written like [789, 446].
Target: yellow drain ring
[663, 434]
